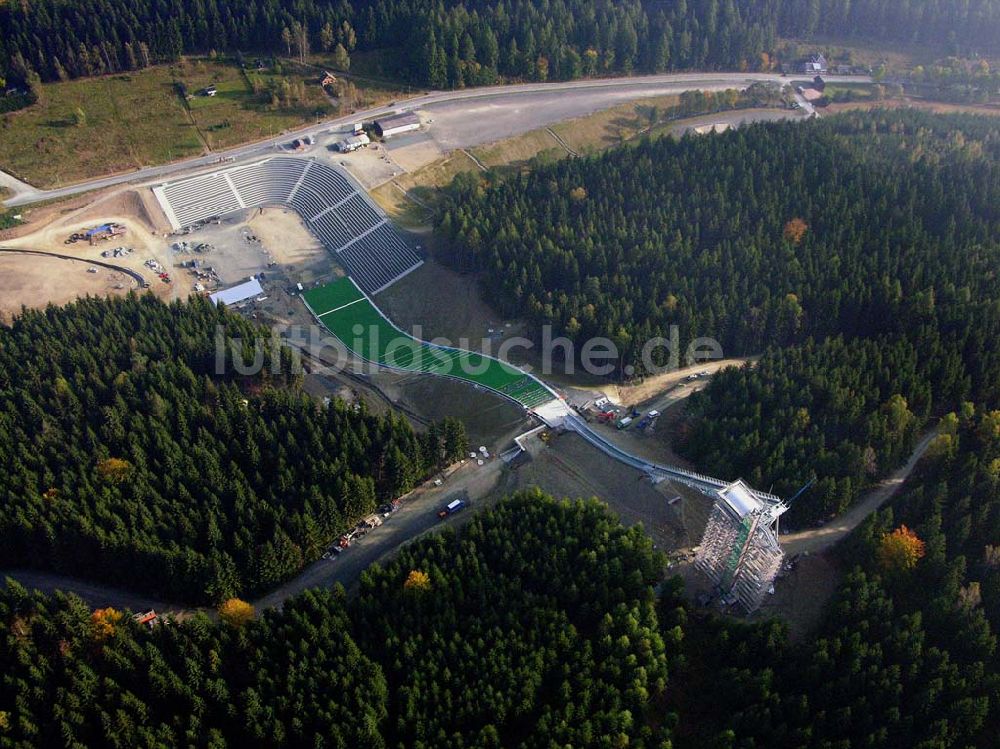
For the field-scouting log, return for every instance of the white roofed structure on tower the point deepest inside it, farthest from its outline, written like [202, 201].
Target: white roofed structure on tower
[740, 552]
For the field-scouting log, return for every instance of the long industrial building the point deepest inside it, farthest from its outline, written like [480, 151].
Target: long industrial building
[396, 124]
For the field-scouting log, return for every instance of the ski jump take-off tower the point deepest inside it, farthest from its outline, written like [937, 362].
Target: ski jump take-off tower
[740, 552]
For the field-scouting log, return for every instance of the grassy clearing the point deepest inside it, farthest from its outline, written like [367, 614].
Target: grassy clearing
[403, 210]
[238, 113]
[440, 173]
[128, 121]
[422, 190]
[414, 209]
[611, 127]
[520, 149]
[895, 55]
[991, 110]
[93, 126]
[424, 183]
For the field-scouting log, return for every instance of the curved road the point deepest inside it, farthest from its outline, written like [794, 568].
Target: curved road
[819, 539]
[529, 97]
[416, 516]
[137, 277]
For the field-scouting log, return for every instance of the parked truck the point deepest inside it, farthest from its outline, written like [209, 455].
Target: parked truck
[647, 420]
[624, 422]
[451, 508]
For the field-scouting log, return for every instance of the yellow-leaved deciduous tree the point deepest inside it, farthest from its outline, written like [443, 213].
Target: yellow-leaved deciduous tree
[795, 230]
[578, 194]
[900, 550]
[236, 612]
[114, 470]
[103, 623]
[417, 580]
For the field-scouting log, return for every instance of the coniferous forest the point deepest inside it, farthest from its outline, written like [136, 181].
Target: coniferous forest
[858, 253]
[857, 257]
[495, 644]
[128, 460]
[488, 639]
[906, 651]
[452, 43]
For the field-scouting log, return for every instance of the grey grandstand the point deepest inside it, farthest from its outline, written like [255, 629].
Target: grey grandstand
[332, 206]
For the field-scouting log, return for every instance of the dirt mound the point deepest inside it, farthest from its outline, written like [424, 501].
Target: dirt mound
[138, 205]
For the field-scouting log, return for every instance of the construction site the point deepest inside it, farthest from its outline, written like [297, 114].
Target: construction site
[262, 237]
[293, 238]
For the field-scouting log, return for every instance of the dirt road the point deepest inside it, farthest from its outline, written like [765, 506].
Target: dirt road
[662, 390]
[94, 594]
[819, 539]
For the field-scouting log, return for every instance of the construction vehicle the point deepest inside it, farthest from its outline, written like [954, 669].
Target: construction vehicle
[451, 508]
[605, 417]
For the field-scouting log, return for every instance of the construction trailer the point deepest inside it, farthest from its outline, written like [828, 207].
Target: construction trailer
[740, 552]
[147, 618]
[451, 508]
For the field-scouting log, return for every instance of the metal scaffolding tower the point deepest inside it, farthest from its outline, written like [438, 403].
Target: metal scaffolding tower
[740, 552]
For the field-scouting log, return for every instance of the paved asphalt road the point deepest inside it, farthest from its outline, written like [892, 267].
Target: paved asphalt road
[417, 515]
[468, 117]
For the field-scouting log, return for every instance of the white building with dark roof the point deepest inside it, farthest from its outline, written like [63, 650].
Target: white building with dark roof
[394, 124]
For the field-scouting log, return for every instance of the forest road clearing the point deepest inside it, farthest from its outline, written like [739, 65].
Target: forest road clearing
[416, 516]
[816, 540]
[94, 594]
